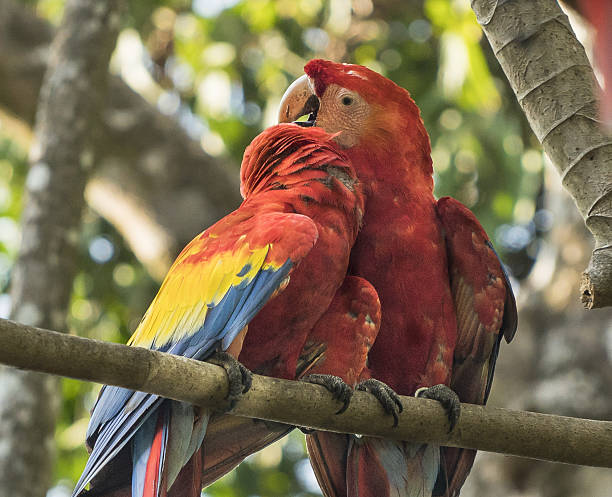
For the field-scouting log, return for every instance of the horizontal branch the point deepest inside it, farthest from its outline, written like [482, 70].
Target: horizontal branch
[520, 433]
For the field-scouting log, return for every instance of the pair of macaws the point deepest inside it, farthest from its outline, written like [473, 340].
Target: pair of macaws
[339, 262]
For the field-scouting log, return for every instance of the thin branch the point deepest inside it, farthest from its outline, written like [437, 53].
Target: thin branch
[527, 434]
[554, 83]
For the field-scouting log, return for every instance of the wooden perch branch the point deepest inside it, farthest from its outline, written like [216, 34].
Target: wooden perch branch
[554, 83]
[527, 434]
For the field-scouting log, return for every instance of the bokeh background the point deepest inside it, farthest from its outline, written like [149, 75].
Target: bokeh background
[217, 70]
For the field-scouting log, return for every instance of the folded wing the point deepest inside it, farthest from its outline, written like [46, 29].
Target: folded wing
[215, 287]
[486, 312]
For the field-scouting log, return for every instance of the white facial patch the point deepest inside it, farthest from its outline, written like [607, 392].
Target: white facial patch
[358, 74]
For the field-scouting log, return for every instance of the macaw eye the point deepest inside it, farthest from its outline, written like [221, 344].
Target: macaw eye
[347, 100]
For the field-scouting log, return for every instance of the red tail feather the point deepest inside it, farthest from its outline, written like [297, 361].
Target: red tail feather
[189, 480]
[327, 453]
[155, 471]
[366, 476]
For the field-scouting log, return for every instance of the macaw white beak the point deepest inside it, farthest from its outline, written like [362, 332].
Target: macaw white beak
[299, 100]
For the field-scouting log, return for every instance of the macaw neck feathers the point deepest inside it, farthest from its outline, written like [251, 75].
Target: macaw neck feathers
[398, 175]
[287, 155]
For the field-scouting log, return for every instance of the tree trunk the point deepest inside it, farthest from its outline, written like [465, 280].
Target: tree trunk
[562, 361]
[164, 187]
[554, 83]
[60, 159]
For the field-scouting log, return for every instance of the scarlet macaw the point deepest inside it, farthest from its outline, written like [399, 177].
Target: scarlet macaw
[446, 301]
[285, 248]
[338, 345]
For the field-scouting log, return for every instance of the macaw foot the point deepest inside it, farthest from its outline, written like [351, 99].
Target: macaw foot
[339, 390]
[445, 396]
[389, 400]
[239, 376]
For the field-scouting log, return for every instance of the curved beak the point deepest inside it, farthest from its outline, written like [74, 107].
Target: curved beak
[299, 100]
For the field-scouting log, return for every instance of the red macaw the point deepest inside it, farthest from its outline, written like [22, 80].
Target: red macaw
[338, 346]
[446, 301]
[285, 248]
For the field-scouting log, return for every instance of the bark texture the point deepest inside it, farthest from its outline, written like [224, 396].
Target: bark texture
[164, 187]
[554, 83]
[540, 436]
[60, 160]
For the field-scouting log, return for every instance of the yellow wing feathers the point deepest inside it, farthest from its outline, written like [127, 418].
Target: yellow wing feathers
[196, 282]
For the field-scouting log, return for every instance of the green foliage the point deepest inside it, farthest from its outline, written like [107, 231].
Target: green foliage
[110, 294]
[220, 67]
[12, 176]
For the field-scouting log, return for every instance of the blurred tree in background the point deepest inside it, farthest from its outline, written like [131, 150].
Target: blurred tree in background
[215, 70]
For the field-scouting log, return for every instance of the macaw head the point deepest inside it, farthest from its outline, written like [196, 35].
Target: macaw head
[286, 155]
[365, 109]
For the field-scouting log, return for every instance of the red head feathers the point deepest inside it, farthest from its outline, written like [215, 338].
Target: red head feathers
[284, 150]
[371, 85]
[394, 110]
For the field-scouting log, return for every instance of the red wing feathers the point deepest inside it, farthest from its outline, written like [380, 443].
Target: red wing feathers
[337, 345]
[344, 335]
[483, 299]
[486, 311]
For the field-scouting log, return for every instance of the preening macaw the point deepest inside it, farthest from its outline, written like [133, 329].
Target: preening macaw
[338, 345]
[446, 301]
[274, 263]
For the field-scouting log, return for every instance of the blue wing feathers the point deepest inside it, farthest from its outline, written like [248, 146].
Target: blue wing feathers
[265, 284]
[245, 270]
[116, 433]
[119, 413]
[110, 401]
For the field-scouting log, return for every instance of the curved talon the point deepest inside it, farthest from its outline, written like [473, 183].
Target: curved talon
[247, 377]
[239, 377]
[387, 397]
[445, 396]
[336, 386]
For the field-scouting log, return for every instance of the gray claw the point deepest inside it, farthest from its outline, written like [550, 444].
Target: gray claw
[387, 397]
[445, 396]
[239, 377]
[336, 385]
